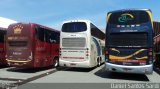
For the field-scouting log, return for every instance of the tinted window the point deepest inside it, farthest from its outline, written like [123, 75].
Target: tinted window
[129, 17]
[40, 34]
[97, 32]
[18, 43]
[74, 27]
[47, 35]
[54, 37]
[2, 33]
[128, 39]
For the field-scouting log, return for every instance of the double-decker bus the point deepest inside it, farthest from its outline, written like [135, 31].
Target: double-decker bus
[3, 32]
[81, 44]
[30, 45]
[129, 41]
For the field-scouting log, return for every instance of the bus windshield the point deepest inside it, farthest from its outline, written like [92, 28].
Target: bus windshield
[74, 27]
[129, 17]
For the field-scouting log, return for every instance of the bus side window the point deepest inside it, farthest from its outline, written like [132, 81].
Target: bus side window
[47, 36]
[53, 37]
[58, 37]
[40, 34]
[2, 34]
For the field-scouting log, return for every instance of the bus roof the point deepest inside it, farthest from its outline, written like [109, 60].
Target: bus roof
[69, 21]
[128, 10]
[23, 23]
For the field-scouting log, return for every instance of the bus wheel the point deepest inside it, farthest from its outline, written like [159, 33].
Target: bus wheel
[98, 62]
[56, 62]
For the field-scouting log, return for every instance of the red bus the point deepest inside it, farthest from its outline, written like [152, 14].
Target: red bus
[30, 45]
[2, 46]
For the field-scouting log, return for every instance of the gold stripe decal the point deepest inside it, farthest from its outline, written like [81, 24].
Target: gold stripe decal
[18, 61]
[150, 15]
[113, 49]
[108, 16]
[145, 57]
[126, 57]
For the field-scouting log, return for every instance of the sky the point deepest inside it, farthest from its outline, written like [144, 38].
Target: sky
[52, 13]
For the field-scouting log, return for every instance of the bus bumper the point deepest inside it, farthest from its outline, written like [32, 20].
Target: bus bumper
[84, 64]
[146, 69]
[21, 64]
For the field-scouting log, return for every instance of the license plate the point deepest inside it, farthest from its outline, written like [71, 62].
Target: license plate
[72, 64]
[127, 69]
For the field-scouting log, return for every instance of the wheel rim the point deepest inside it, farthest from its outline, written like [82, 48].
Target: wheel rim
[56, 63]
[99, 63]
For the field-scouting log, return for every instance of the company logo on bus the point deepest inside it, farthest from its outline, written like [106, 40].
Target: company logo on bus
[125, 17]
[17, 29]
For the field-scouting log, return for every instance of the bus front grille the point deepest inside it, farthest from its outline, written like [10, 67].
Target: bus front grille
[73, 42]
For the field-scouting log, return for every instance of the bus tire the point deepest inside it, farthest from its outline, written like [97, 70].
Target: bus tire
[98, 62]
[56, 62]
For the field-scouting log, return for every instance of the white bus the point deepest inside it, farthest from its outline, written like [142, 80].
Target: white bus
[81, 44]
